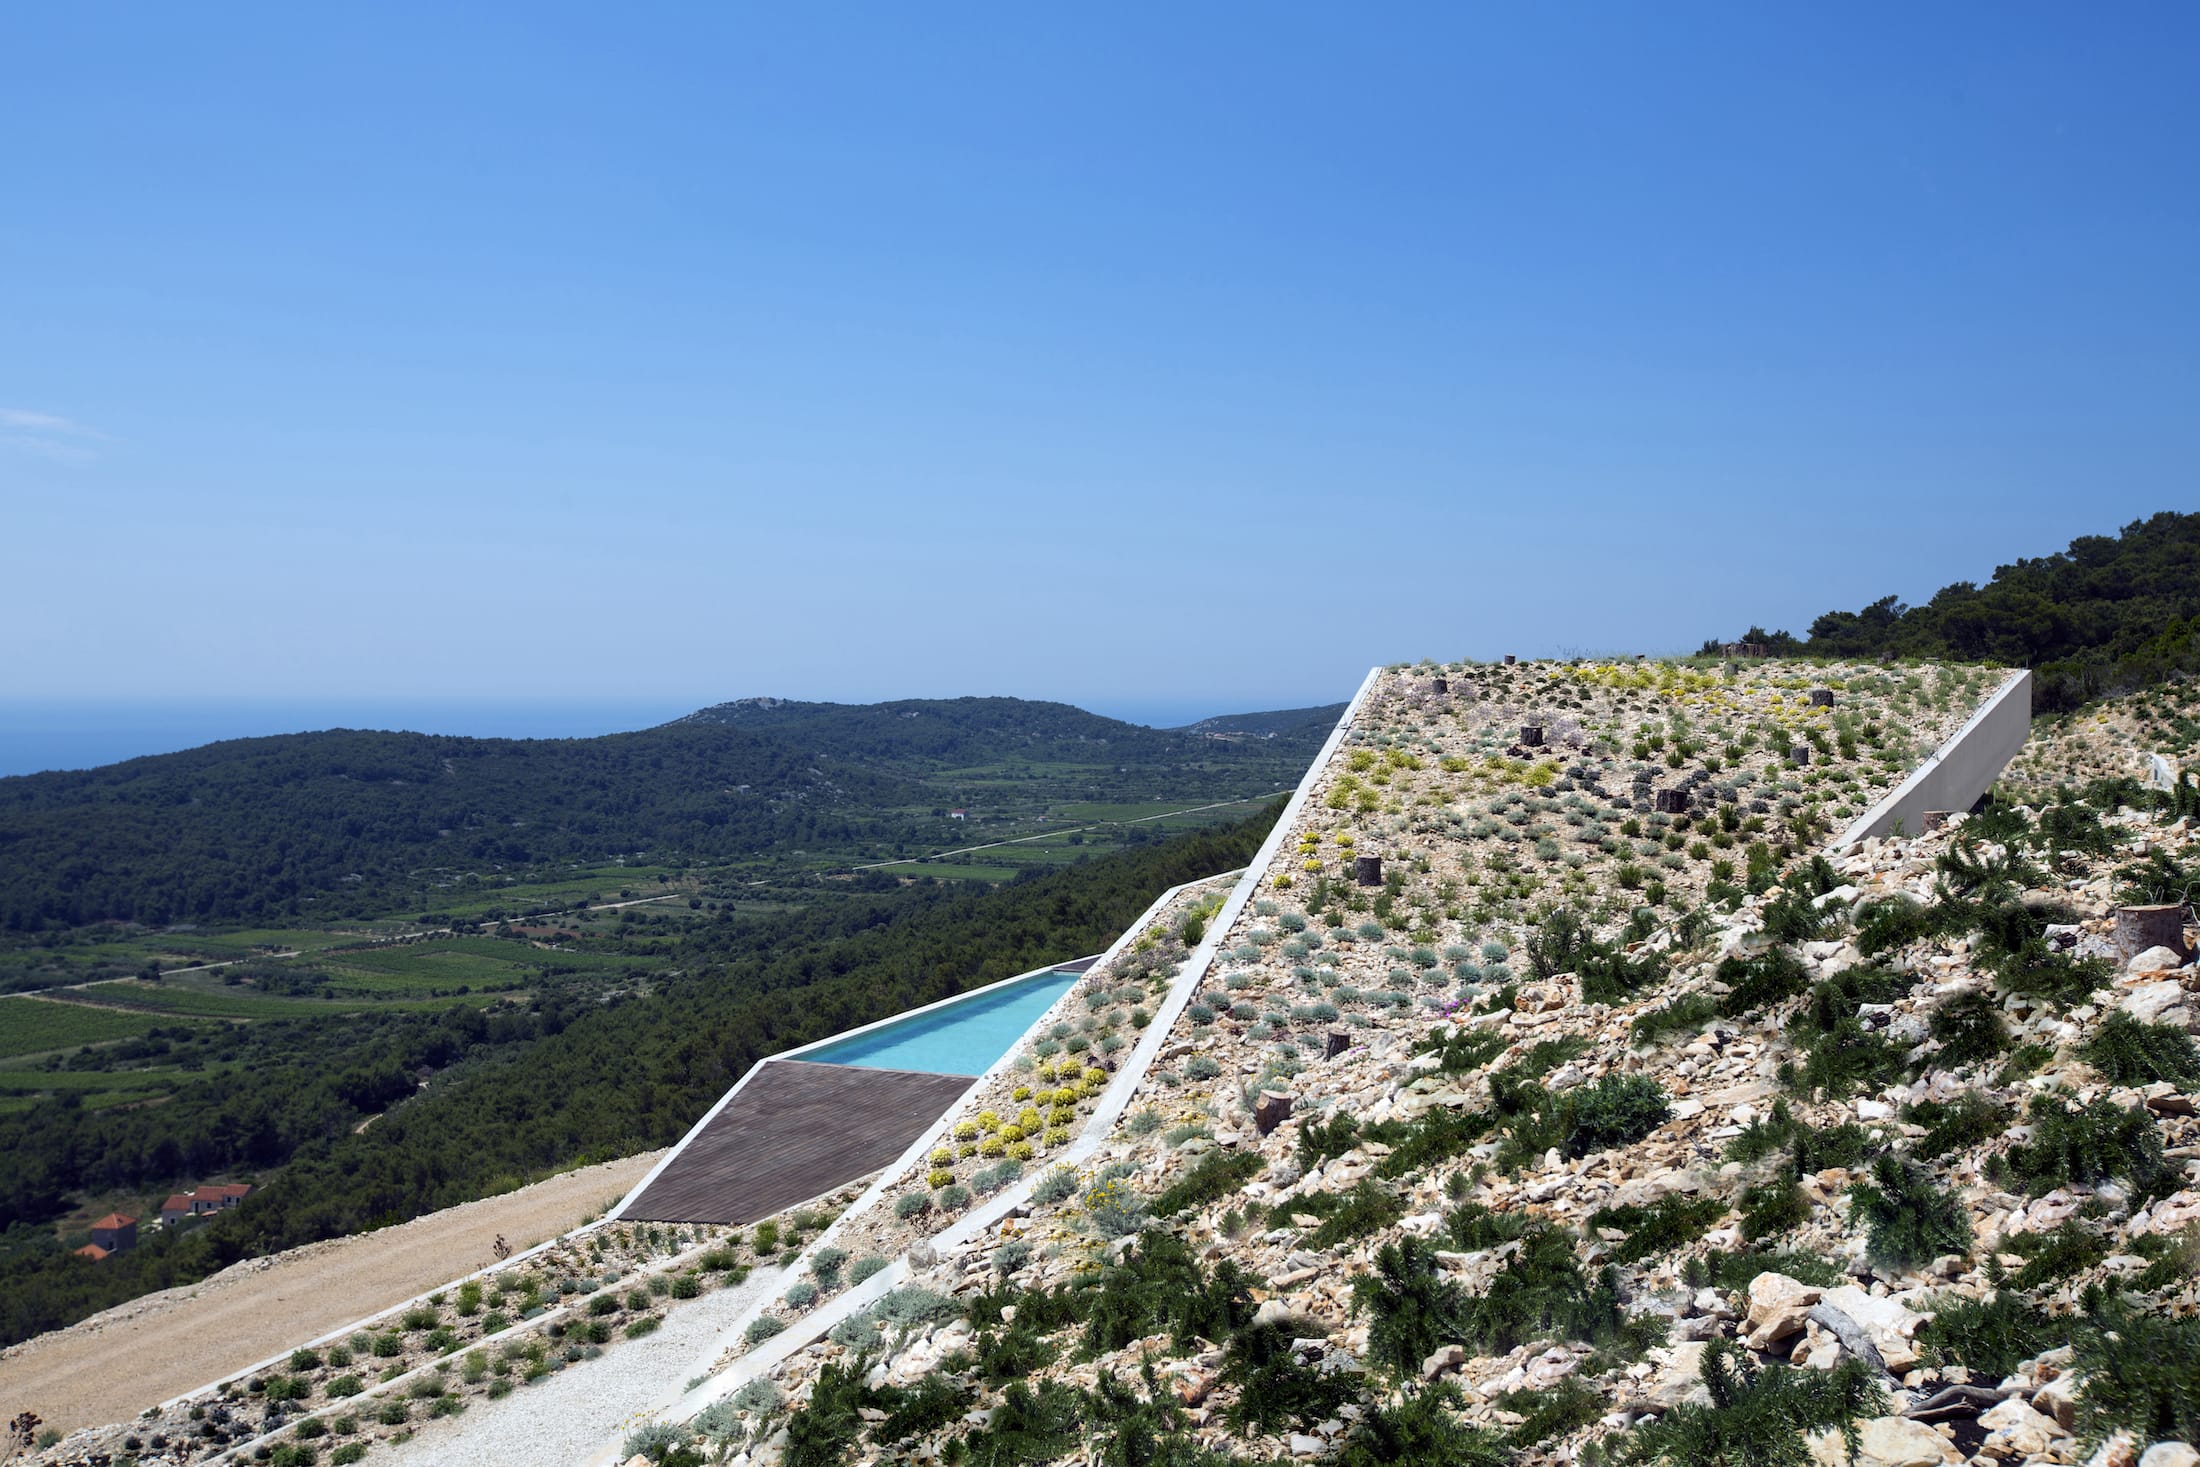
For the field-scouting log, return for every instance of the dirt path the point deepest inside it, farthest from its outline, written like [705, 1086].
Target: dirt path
[114, 1365]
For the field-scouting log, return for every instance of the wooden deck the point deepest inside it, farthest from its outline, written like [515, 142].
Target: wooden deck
[795, 1131]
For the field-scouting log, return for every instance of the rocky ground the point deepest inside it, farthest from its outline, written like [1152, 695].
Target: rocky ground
[1890, 1148]
[2110, 740]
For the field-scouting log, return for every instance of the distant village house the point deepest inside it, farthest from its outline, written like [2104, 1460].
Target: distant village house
[112, 1234]
[199, 1201]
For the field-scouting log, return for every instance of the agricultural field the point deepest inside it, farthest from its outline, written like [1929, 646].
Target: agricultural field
[37, 1026]
[23, 1089]
[219, 1003]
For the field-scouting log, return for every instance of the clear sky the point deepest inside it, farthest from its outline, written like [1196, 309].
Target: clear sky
[1203, 354]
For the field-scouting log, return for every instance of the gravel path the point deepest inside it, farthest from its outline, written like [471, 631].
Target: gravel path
[114, 1365]
[566, 1417]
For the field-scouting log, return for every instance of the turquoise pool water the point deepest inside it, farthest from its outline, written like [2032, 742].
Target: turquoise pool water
[963, 1038]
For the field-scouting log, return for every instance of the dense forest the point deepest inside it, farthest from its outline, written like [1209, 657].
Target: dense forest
[530, 1092]
[343, 823]
[2103, 617]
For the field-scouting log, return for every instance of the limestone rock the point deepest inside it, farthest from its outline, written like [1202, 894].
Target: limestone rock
[1777, 1308]
[1886, 1441]
[2016, 1430]
[1448, 1358]
[2147, 1002]
[2169, 1454]
[2059, 1399]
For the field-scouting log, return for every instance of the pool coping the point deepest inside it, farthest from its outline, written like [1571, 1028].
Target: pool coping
[916, 1015]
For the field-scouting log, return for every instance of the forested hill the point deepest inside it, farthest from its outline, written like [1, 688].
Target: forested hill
[2106, 616]
[966, 730]
[347, 823]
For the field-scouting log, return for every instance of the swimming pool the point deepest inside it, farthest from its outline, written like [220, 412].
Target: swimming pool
[961, 1037]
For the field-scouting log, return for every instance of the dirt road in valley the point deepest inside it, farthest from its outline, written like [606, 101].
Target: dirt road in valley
[114, 1365]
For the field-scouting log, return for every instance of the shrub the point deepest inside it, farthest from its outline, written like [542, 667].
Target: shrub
[1955, 1125]
[1421, 1431]
[1754, 983]
[647, 1324]
[2084, 1145]
[1733, 1271]
[825, 1266]
[865, 1267]
[2142, 1373]
[762, 1328]
[912, 1204]
[1275, 1392]
[1542, 1293]
[1055, 1186]
[953, 1197]
[801, 1294]
[1201, 1067]
[760, 1398]
[652, 1441]
[1367, 1208]
[2052, 1257]
[1757, 1417]
[1413, 1308]
[1988, 1337]
[1970, 1031]
[1158, 1288]
[1911, 1219]
[1616, 1110]
[1115, 1209]
[2132, 1053]
[1682, 1015]
[1773, 1208]
[1670, 1223]
[1218, 1174]
[1844, 1059]
[343, 1387]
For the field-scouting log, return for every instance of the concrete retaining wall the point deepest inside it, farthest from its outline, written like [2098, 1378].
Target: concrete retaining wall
[1959, 771]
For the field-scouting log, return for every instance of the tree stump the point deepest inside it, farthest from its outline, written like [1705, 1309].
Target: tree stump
[1673, 802]
[1510, 659]
[1440, 685]
[2139, 928]
[1936, 820]
[1531, 735]
[1799, 754]
[1367, 870]
[1821, 697]
[1334, 1043]
[1271, 1110]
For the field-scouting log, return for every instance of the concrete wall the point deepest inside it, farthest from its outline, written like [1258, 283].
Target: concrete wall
[1960, 770]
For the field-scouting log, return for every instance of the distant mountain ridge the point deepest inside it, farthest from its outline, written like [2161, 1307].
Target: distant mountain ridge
[354, 821]
[1283, 723]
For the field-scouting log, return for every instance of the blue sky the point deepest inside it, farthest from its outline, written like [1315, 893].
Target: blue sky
[1181, 354]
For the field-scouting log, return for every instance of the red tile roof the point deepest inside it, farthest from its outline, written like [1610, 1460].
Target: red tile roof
[94, 1252]
[115, 1220]
[177, 1202]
